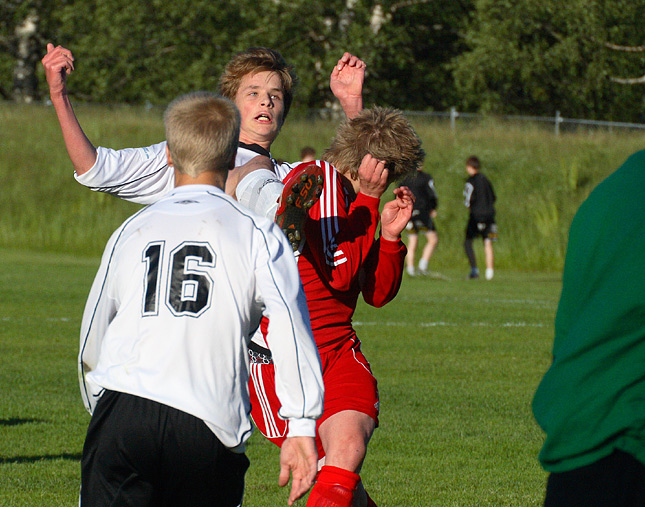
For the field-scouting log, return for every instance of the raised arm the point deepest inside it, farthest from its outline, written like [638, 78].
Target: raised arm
[346, 83]
[383, 270]
[59, 63]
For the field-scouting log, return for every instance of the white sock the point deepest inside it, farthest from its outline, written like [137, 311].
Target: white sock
[260, 191]
[489, 273]
[410, 270]
[423, 265]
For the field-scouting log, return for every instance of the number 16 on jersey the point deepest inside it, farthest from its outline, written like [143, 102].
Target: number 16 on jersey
[186, 290]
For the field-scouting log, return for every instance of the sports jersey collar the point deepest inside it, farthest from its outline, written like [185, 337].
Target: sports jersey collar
[196, 188]
[255, 148]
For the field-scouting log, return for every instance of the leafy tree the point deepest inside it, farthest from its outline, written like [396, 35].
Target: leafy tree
[585, 58]
[24, 25]
[539, 56]
[407, 46]
[410, 54]
[148, 51]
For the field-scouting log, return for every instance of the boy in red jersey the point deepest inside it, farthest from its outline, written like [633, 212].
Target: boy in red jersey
[341, 259]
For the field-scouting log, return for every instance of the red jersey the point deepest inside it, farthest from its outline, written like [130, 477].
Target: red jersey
[341, 259]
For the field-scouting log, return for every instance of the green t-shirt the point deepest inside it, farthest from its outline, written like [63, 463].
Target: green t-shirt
[591, 401]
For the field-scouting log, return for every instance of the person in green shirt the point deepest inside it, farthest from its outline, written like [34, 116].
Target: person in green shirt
[591, 401]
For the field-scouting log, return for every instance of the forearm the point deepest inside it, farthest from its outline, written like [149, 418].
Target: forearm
[81, 151]
[352, 105]
[383, 272]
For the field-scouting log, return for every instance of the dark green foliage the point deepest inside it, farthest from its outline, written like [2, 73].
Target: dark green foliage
[537, 57]
[501, 56]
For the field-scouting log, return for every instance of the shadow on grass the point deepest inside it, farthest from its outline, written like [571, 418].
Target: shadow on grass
[17, 421]
[34, 459]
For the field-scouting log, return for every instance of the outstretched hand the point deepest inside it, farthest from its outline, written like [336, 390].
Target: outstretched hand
[58, 63]
[346, 83]
[298, 458]
[396, 214]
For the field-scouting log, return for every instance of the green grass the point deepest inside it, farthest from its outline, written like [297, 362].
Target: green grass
[540, 179]
[457, 363]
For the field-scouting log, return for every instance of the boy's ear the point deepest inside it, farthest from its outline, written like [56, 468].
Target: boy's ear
[168, 155]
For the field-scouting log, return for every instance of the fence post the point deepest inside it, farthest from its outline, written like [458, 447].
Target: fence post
[453, 118]
[558, 119]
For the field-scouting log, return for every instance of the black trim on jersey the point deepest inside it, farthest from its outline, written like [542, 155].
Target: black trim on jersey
[256, 148]
[260, 349]
[145, 176]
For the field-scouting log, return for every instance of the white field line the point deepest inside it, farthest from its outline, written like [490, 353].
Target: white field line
[490, 301]
[450, 324]
[49, 319]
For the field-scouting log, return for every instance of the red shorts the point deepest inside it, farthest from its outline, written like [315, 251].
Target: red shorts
[349, 385]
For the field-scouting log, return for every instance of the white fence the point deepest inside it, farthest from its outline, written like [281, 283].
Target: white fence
[453, 115]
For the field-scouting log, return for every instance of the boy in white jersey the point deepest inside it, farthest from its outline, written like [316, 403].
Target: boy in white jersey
[261, 84]
[163, 363]
[258, 80]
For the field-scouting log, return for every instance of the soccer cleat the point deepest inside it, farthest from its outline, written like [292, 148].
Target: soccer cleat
[474, 274]
[302, 189]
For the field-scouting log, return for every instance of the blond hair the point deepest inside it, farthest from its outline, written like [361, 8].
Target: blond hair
[384, 133]
[255, 60]
[202, 131]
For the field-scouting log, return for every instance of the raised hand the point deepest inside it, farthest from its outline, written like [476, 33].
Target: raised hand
[58, 63]
[396, 214]
[346, 83]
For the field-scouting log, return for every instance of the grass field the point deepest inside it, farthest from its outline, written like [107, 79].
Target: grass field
[457, 363]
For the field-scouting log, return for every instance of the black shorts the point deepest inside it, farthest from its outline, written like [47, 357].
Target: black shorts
[139, 452]
[618, 479]
[487, 229]
[420, 222]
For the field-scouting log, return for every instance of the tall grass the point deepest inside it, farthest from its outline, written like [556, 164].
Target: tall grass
[540, 179]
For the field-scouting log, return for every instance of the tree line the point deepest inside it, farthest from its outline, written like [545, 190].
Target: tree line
[584, 58]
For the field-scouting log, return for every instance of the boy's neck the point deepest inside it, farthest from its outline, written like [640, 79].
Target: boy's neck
[214, 178]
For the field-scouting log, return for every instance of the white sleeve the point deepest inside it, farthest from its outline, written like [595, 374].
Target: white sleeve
[298, 375]
[100, 309]
[284, 168]
[468, 192]
[260, 192]
[140, 175]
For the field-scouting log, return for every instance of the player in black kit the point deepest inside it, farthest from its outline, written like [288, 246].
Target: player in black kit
[425, 209]
[479, 197]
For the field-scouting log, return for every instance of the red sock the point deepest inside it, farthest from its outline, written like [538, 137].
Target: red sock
[370, 502]
[334, 488]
